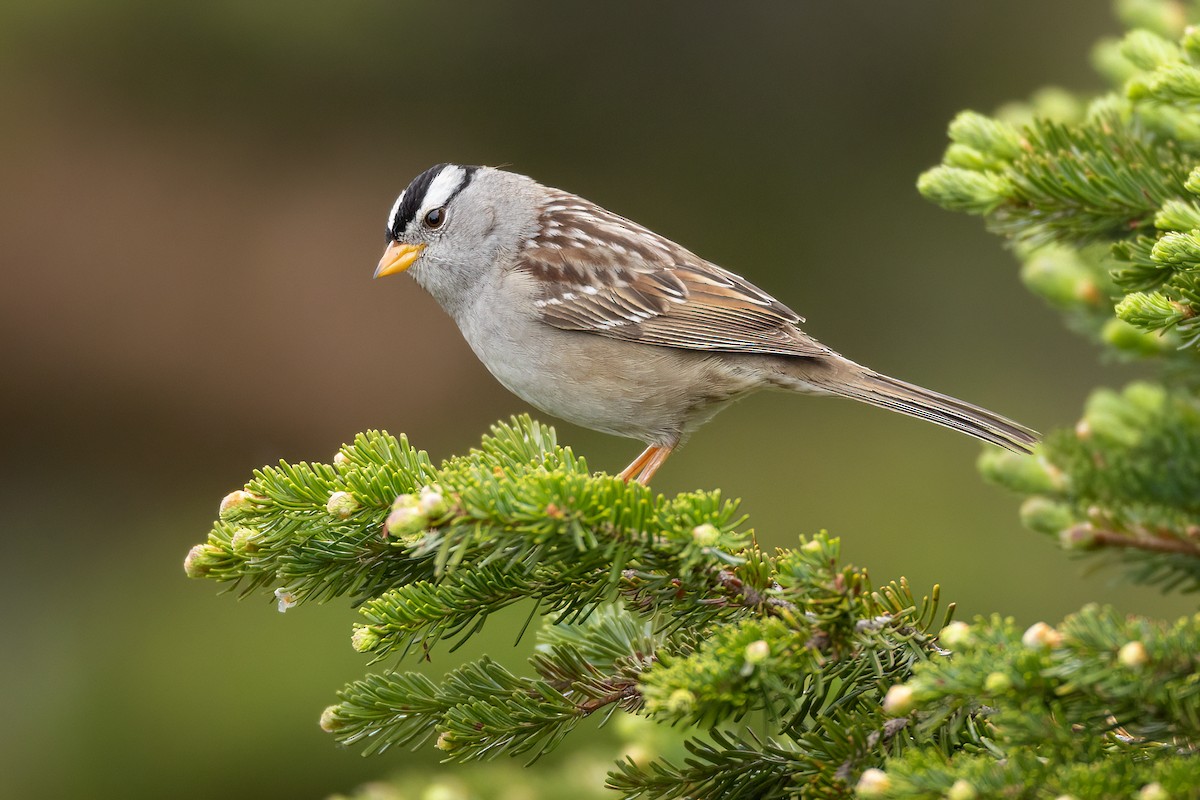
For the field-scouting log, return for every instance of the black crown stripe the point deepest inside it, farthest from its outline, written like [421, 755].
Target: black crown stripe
[414, 197]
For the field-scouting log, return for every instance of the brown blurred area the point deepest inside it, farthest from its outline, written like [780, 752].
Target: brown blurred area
[192, 204]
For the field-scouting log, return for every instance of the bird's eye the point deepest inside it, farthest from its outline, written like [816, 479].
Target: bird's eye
[435, 218]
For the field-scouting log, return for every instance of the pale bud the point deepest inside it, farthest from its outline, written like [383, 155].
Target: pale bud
[1133, 655]
[1045, 515]
[340, 459]
[956, 634]
[200, 559]
[244, 540]
[1153, 791]
[330, 721]
[757, 651]
[236, 502]
[961, 790]
[1040, 635]
[681, 701]
[443, 790]
[997, 683]
[431, 502]
[873, 783]
[405, 520]
[705, 535]
[341, 505]
[637, 754]
[898, 701]
[445, 742]
[364, 639]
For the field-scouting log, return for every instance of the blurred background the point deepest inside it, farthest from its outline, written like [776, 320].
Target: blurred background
[192, 201]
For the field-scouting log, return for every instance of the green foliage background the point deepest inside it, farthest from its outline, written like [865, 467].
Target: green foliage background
[192, 211]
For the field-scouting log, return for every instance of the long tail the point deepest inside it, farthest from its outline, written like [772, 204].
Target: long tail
[859, 383]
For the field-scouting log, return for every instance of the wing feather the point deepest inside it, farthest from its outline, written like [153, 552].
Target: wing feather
[601, 273]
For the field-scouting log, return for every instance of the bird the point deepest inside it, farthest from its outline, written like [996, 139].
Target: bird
[595, 319]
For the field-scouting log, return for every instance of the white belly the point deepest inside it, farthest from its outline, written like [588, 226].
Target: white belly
[654, 394]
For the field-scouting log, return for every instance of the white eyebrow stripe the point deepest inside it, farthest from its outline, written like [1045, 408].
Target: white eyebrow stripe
[391, 220]
[443, 186]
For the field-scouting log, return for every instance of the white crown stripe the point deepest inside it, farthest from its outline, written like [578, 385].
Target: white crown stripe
[391, 220]
[440, 190]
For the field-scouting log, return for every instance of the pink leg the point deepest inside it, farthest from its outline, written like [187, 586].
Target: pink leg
[653, 463]
[645, 465]
[638, 463]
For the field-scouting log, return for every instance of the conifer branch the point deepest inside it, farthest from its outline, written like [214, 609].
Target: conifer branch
[659, 606]
[786, 674]
[1155, 544]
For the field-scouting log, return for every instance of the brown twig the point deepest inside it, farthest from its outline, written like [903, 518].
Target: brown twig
[625, 692]
[1154, 544]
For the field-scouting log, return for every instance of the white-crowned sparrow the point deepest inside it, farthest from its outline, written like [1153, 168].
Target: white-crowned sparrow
[593, 318]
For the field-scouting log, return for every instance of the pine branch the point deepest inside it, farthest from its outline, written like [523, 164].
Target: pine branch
[1123, 484]
[1123, 173]
[727, 768]
[1141, 541]
[787, 674]
[1100, 689]
[706, 628]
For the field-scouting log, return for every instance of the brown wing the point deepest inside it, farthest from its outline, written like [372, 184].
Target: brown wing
[604, 274]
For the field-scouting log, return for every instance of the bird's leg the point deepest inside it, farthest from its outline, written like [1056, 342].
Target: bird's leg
[645, 465]
[654, 462]
[638, 463]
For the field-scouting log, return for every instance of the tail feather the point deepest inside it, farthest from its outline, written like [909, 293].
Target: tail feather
[879, 390]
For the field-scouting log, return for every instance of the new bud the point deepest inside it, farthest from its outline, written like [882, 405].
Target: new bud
[1056, 103]
[443, 790]
[898, 701]
[1062, 277]
[364, 639]
[966, 190]
[1045, 515]
[873, 783]
[705, 535]
[680, 701]
[962, 790]
[330, 721]
[431, 502]
[200, 559]
[997, 683]
[1125, 336]
[341, 505]
[1191, 37]
[245, 540]
[1149, 50]
[1133, 655]
[986, 135]
[405, 521]
[955, 635]
[406, 517]
[236, 502]
[1022, 473]
[757, 651]
[1153, 791]
[1040, 635]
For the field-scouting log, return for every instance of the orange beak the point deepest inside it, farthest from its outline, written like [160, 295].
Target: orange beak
[397, 258]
